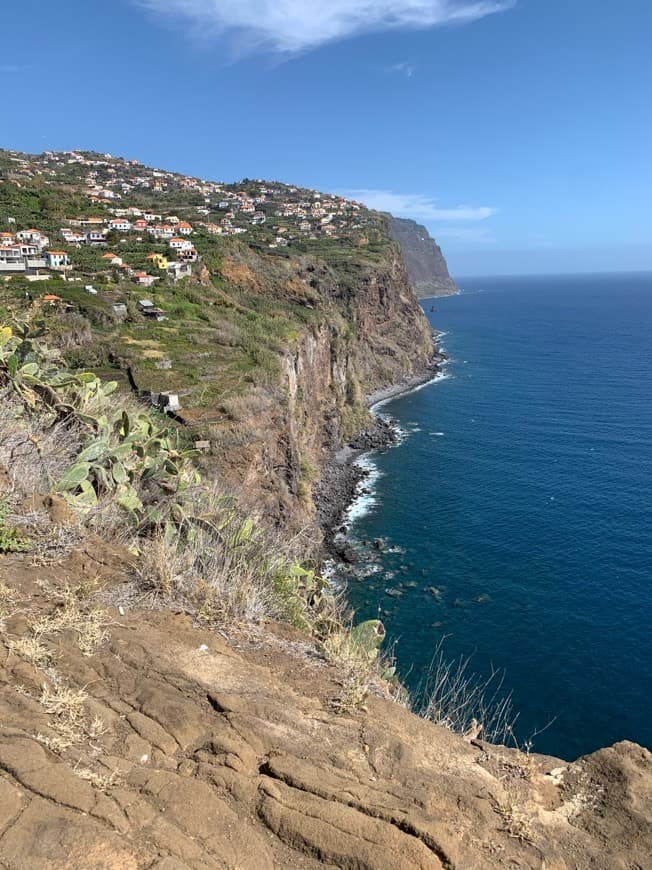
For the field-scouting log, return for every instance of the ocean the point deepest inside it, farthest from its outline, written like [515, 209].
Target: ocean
[516, 513]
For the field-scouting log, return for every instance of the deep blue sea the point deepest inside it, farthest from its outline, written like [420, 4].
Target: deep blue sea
[523, 493]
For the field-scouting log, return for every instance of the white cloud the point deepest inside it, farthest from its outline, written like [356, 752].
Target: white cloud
[419, 207]
[404, 68]
[296, 25]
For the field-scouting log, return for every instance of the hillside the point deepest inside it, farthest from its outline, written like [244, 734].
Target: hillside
[426, 266]
[178, 691]
[179, 686]
[261, 313]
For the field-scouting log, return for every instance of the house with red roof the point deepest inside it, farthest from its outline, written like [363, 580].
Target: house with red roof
[112, 259]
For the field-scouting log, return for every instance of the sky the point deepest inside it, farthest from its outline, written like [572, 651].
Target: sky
[519, 132]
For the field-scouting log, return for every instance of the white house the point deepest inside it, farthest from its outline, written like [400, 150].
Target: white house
[144, 280]
[177, 270]
[112, 259]
[34, 237]
[56, 259]
[189, 254]
[10, 254]
[179, 244]
[71, 237]
[121, 225]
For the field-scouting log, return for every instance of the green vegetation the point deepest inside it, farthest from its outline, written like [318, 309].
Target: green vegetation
[243, 308]
[130, 473]
[11, 539]
[124, 472]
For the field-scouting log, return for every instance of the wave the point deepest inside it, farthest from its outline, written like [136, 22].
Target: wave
[440, 376]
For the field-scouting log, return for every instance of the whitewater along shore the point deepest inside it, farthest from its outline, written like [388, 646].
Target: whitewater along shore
[342, 477]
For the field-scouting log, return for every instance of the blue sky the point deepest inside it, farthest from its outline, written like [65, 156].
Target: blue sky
[519, 132]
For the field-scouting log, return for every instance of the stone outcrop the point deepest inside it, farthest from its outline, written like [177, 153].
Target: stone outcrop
[201, 749]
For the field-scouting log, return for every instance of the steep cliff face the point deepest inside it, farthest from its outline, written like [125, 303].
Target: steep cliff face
[368, 331]
[426, 265]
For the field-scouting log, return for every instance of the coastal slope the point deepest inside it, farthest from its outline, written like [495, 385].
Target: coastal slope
[167, 745]
[425, 262]
[179, 688]
[267, 311]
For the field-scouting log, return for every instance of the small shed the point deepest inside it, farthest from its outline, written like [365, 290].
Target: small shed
[169, 402]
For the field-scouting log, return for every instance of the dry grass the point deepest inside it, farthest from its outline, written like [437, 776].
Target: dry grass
[32, 650]
[358, 670]
[224, 567]
[70, 723]
[468, 705]
[35, 450]
[8, 599]
[516, 822]
[218, 583]
[250, 406]
[53, 543]
[89, 623]
[103, 781]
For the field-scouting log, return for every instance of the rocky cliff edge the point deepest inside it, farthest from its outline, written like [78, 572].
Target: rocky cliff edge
[130, 737]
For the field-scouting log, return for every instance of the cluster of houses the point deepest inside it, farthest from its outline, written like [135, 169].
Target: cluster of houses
[27, 251]
[284, 212]
[175, 269]
[95, 231]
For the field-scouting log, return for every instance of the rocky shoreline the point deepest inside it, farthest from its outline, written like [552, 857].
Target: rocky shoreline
[341, 477]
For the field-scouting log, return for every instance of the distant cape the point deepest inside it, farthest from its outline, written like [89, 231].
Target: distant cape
[426, 265]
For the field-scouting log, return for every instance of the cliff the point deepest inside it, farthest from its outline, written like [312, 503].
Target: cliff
[152, 742]
[426, 265]
[179, 688]
[196, 701]
[285, 319]
[366, 331]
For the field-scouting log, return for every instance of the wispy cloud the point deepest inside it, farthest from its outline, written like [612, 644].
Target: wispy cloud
[404, 68]
[419, 207]
[291, 26]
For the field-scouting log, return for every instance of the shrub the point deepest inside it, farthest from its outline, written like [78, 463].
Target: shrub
[11, 540]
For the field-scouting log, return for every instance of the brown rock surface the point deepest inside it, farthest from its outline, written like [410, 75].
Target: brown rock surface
[192, 749]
